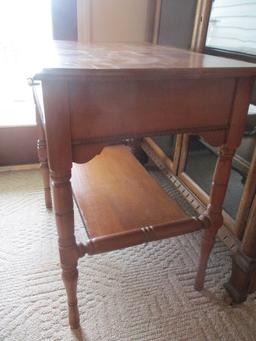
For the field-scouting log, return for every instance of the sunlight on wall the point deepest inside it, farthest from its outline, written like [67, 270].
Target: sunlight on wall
[23, 25]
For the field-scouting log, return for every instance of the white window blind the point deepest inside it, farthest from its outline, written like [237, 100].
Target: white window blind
[232, 26]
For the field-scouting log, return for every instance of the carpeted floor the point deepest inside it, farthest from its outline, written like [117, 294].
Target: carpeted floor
[143, 293]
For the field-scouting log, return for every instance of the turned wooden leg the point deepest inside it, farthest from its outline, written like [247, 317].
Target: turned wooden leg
[206, 248]
[215, 220]
[69, 253]
[214, 211]
[42, 155]
[70, 278]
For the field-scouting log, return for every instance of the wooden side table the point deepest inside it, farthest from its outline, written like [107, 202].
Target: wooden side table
[100, 95]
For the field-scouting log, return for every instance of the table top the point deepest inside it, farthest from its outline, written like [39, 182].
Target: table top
[66, 58]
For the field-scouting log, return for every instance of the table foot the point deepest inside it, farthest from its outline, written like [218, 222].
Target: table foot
[207, 245]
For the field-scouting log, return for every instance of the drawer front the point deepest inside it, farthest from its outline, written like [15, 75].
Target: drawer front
[125, 108]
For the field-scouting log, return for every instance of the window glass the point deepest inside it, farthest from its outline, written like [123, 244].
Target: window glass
[166, 143]
[232, 26]
[23, 26]
[200, 165]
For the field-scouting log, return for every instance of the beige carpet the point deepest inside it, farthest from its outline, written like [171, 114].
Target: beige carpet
[144, 293]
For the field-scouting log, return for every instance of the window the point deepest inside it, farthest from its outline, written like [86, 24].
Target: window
[232, 33]
[232, 26]
[23, 24]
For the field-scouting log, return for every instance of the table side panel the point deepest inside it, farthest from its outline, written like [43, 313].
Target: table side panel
[115, 108]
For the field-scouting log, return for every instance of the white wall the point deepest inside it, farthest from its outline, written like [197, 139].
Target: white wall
[114, 20]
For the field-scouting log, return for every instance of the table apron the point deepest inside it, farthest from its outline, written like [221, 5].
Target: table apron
[101, 110]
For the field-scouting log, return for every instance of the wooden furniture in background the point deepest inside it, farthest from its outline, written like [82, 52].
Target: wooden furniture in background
[243, 277]
[234, 232]
[101, 95]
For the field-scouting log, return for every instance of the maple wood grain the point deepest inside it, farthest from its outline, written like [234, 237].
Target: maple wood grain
[134, 60]
[97, 95]
[115, 194]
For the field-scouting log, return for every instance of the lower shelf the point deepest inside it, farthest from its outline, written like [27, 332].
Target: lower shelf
[122, 205]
